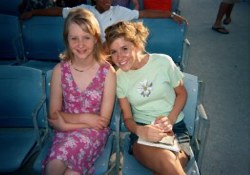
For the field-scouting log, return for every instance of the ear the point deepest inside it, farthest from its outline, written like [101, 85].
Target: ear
[96, 39]
[138, 49]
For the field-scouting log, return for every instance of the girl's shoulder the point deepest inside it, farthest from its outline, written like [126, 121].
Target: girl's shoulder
[160, 58]
[106, 67]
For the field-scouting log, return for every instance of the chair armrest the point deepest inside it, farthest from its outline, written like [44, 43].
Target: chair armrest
[118, 116]
[116, 120]
[19, 48]
[185, 56]
[200, 134]
[41, 105]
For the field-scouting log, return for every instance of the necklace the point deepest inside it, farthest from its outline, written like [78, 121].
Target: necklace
[78, 70]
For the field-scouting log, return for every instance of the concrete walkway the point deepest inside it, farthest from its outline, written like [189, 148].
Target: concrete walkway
[222, 62]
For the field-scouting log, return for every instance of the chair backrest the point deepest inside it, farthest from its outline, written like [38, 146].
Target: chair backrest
[166, 36]
[131, 166]
[21, 96]
[10, 7]
[10, 37]
[191, 84]
[43, 38]
[102, 162]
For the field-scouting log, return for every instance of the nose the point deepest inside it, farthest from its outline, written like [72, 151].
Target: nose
[119, 55]
[80, 43]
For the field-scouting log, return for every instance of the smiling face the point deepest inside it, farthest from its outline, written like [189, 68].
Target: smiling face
[80, 42]
[123, 53]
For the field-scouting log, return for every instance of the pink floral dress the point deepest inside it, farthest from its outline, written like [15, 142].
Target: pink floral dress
[80, 148]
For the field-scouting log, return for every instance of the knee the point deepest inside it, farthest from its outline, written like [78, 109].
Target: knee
[170, 164]
[55, 167]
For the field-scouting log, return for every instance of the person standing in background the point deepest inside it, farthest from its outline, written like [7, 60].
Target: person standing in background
[225, 9]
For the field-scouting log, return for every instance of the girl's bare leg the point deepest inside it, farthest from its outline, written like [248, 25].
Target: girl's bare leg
[160, 161]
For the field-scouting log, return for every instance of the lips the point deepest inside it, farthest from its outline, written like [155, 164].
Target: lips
[123, 62]
[81, 51]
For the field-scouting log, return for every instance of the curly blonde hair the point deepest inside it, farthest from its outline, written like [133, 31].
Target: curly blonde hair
[134, 32]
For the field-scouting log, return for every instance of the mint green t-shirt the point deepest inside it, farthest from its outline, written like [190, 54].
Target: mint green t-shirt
[150, 89]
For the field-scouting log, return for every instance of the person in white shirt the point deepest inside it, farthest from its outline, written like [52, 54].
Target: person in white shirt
[107, 17]
[106, 14]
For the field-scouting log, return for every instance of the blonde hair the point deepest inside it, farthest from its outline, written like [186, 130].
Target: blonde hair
[134, 32]
[87, 21]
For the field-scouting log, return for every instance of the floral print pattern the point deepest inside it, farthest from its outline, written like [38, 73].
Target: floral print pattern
[80, 148]
[145, 88]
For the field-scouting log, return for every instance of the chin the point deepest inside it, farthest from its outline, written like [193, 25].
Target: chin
[125, 69]
[81, 56]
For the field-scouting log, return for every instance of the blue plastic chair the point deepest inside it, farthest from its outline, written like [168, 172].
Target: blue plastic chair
[197, 124]
[102, 165]
[43, 41]
[167, 37]
[11, 41]
[10, 7]
[22, 115]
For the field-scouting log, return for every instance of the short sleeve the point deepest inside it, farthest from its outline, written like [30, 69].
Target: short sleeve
[66, 10]
[125, 14]
[174, 74]
[121, 86]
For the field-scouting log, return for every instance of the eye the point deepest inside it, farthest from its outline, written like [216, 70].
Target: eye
[112, 52]
[86, 37]
[125, 48]
[73, 38]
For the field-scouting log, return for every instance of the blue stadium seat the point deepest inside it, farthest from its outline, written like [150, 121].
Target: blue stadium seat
[102, 165]
[168, 37]
[43, 41]
[11, 41]
[10, 7]
[23, 125]
[197, 124]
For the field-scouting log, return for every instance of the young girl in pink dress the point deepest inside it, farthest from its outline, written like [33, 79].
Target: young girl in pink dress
[81, 100]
